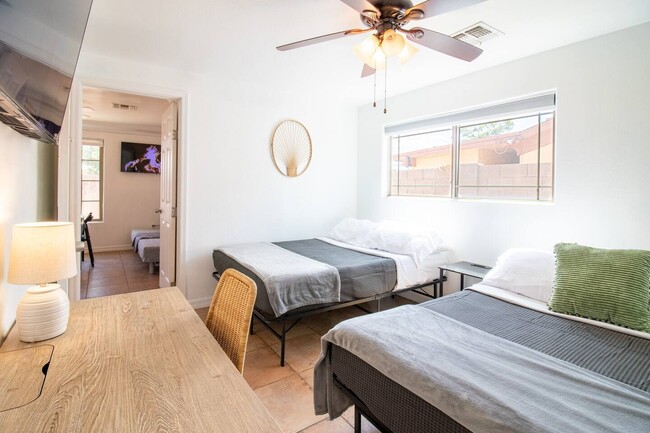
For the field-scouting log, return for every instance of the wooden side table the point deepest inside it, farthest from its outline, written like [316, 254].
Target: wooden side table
[463, 268]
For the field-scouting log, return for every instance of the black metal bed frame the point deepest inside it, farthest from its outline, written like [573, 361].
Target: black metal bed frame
[296, 317]
[360, 409]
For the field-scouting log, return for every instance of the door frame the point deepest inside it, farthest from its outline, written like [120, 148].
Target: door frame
[70, 204]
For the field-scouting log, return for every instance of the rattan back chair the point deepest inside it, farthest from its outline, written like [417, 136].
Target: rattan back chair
[230, 312]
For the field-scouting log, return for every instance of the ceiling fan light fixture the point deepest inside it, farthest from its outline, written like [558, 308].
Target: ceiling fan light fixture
[365, 51]
[378, 60]
[392, 43]
[407, 53]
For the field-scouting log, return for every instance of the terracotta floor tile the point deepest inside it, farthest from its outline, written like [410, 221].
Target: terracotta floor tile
[269, 338]
[321, 323]
[143, 285]
[290, 403]
[308, 376]
[134, 278]
[339, 425]
[113, 273]
[141, 269]
[95, 292]
[254, 342]
[366, 426]
[262, 367]
[301, 352]
[203, 313]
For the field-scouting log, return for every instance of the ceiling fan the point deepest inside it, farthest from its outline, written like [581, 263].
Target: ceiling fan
[386, 19]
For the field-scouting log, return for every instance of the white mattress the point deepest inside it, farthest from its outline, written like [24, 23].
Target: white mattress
[408, 272]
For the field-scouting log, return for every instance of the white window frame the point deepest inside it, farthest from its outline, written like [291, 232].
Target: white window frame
[98, 143]
[539, 105]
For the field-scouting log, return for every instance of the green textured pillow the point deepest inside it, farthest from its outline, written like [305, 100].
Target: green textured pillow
[611, 286]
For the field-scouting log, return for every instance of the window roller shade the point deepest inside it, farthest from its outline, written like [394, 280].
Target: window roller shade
[534, 103]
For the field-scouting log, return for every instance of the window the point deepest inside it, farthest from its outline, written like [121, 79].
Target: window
[507, 154]
[92, 179]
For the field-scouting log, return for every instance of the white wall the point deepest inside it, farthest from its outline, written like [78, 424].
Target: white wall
[233, 193]
[129, 198]
[602, 176]
[27, 194]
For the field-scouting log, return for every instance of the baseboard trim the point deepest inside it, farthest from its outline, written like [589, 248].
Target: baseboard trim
[201, 302]
[112, 249]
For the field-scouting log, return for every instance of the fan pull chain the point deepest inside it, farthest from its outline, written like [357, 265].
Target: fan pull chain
[374, 91]
[385, 83]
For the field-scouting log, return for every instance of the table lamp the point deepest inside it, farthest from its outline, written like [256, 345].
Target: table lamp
[42, 253]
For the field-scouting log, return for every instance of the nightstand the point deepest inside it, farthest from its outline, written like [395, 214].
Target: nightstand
[463, 268]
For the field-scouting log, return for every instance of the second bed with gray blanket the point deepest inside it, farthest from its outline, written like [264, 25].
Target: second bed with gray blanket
[361, 275]
[469, 362]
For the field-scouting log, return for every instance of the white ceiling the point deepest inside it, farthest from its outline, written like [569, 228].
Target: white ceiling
[238, 38]
[98, 109]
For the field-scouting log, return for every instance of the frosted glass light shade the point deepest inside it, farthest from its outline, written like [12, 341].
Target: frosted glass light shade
[407, 53]
[42, 252]
[378, 61]
[392, 43]
[366, 49]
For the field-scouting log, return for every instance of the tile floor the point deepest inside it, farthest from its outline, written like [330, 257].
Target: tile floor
[286, 392]
[115, 273]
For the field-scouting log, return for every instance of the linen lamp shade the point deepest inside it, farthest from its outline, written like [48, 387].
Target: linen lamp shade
[42, 253]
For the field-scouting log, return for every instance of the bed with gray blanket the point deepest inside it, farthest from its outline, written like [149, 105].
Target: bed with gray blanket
[360, 276]
[146, 243]
[299, 278]
[475, 363]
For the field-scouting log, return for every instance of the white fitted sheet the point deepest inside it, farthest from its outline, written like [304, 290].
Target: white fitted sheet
[408, 273]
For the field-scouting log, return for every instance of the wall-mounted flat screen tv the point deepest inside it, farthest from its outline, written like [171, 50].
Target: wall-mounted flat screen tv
[140, 158]
[39, 46]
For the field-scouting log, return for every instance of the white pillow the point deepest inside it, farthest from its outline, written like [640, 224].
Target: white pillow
[524, 271]
[411, 240]
[418, 247]
[415, 231]
[353, 231]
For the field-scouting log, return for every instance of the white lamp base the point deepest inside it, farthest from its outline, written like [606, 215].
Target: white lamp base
[42, 313]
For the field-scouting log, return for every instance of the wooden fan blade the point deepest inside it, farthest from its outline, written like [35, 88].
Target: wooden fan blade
[437, 7]
[323, 38]
[443, 43]
[360, 5]
[367, 71]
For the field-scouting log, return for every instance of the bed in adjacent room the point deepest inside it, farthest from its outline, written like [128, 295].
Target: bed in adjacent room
[304, 277]
[146, 243]
[495, 359]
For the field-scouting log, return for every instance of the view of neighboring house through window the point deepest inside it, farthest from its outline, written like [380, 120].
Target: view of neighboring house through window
[508, 157]
[422, 164]
[92, 179]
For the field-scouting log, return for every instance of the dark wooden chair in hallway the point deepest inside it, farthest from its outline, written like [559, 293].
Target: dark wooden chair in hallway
[85, 237]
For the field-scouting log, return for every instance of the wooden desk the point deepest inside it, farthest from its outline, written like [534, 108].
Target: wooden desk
[139, 362]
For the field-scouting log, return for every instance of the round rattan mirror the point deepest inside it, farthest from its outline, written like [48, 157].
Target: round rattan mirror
[291, 148]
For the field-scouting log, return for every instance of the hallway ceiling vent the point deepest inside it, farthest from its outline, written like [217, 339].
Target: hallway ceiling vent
[119, 106]
[477, 34]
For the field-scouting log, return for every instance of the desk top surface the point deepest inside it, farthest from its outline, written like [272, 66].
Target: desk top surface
[138, 362]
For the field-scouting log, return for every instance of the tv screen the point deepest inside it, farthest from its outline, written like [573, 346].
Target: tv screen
[140, 158]
[39, 47]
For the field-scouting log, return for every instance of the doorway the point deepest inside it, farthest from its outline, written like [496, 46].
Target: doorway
[120, 182]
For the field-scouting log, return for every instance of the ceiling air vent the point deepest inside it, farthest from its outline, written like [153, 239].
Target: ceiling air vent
[118, 106]
[477, 34]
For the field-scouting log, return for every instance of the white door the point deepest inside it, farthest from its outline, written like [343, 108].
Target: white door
[168, 141]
